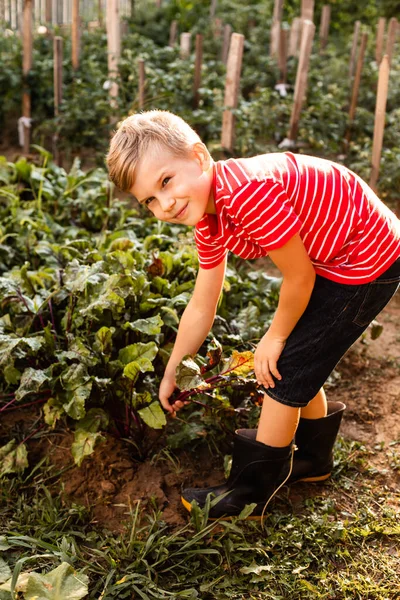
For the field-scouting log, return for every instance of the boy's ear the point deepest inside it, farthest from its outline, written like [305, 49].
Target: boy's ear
[201, 155]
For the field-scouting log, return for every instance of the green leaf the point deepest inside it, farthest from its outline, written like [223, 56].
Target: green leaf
[31, 382]
[63, 583]
[12, 375]
[255, 569]
[132, 370]
[76, 399]
[153, 415]
[4, 545]
[53, 410]
[140, 353]
[187, 375]
[84, 444]
[247, 511]
[13, 458]
[104, 339]
[95, 419]
[150, 326]
[74, 376]
[5, 571]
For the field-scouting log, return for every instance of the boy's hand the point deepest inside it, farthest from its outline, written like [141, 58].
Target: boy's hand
[266, 358]
[167, 388]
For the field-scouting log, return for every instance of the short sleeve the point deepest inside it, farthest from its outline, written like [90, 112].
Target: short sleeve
[263, 209]
[210, 254]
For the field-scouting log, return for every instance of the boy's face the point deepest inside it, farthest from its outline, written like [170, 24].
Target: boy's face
[175, 189]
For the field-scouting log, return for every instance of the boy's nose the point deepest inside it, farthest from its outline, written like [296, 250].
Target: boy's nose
[167, 203]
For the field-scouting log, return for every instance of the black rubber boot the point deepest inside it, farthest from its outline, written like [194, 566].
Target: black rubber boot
[314, 439]
[258, 471]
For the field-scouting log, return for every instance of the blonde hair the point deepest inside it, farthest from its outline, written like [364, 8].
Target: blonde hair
[134, 136]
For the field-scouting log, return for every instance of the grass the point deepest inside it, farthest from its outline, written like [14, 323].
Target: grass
[340, 542]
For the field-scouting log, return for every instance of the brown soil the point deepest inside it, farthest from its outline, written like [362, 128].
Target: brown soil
[110, 482]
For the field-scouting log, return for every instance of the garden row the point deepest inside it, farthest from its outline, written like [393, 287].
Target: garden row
[91, 293]
[262, 116]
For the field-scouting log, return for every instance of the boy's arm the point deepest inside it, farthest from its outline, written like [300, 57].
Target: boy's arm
[194, 326]
[298, 281]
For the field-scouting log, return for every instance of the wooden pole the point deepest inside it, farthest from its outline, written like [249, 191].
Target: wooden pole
[354, 48]
[301, 77]
[356, 86]
[391, 39]
[380, 34]
[380, 114]
[213, 9]
[232, 83]
[57, 72]
[142, 82]
[75, 34]
[185, 45]
[26, 67]
[307, 10]
[173, 30]
[57, 77]
[225, 46]
[294, 37]
[274, 40]
[113, 46]
[324, 26]
[278, 11]
[197, 69]
[282, 55]
[100, 13]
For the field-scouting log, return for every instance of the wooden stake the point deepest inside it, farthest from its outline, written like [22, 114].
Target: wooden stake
[324, 26]
[57, 78]
[197, 69]
[173, 30]
[282, 55]
[217, 28]
[379, 39]
[213, 9]
[380, 114]
[294, 37]
[225, 46]
[354, 48]
[100, 13]
[57, 72]
[301, 77]
[142, 82]
[185, 45]
[278, 11]
[391, 39]
[75, 34]
[356, 85]
[275, 38]
[233, 70]
[26, 67]
[307, 10]
[113, 45]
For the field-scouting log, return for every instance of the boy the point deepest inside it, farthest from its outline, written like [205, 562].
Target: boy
[337, 247]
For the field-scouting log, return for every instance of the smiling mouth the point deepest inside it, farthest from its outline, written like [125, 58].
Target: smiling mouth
[180, 212]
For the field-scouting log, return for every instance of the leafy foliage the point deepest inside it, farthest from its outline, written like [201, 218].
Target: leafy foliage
[91, 294]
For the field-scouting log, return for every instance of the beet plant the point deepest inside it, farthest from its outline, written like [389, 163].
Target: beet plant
[91, 292]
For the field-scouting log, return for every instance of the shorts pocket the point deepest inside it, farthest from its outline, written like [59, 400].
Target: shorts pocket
[375, 299]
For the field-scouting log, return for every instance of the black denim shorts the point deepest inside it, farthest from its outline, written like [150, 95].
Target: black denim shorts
[334, 319]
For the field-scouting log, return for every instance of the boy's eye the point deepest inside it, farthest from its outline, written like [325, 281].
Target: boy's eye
[165, 181]
[148, 201]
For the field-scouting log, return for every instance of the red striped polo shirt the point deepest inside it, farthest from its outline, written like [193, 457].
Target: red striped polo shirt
[261, 202]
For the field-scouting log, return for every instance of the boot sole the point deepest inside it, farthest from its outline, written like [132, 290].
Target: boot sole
[312, 479]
